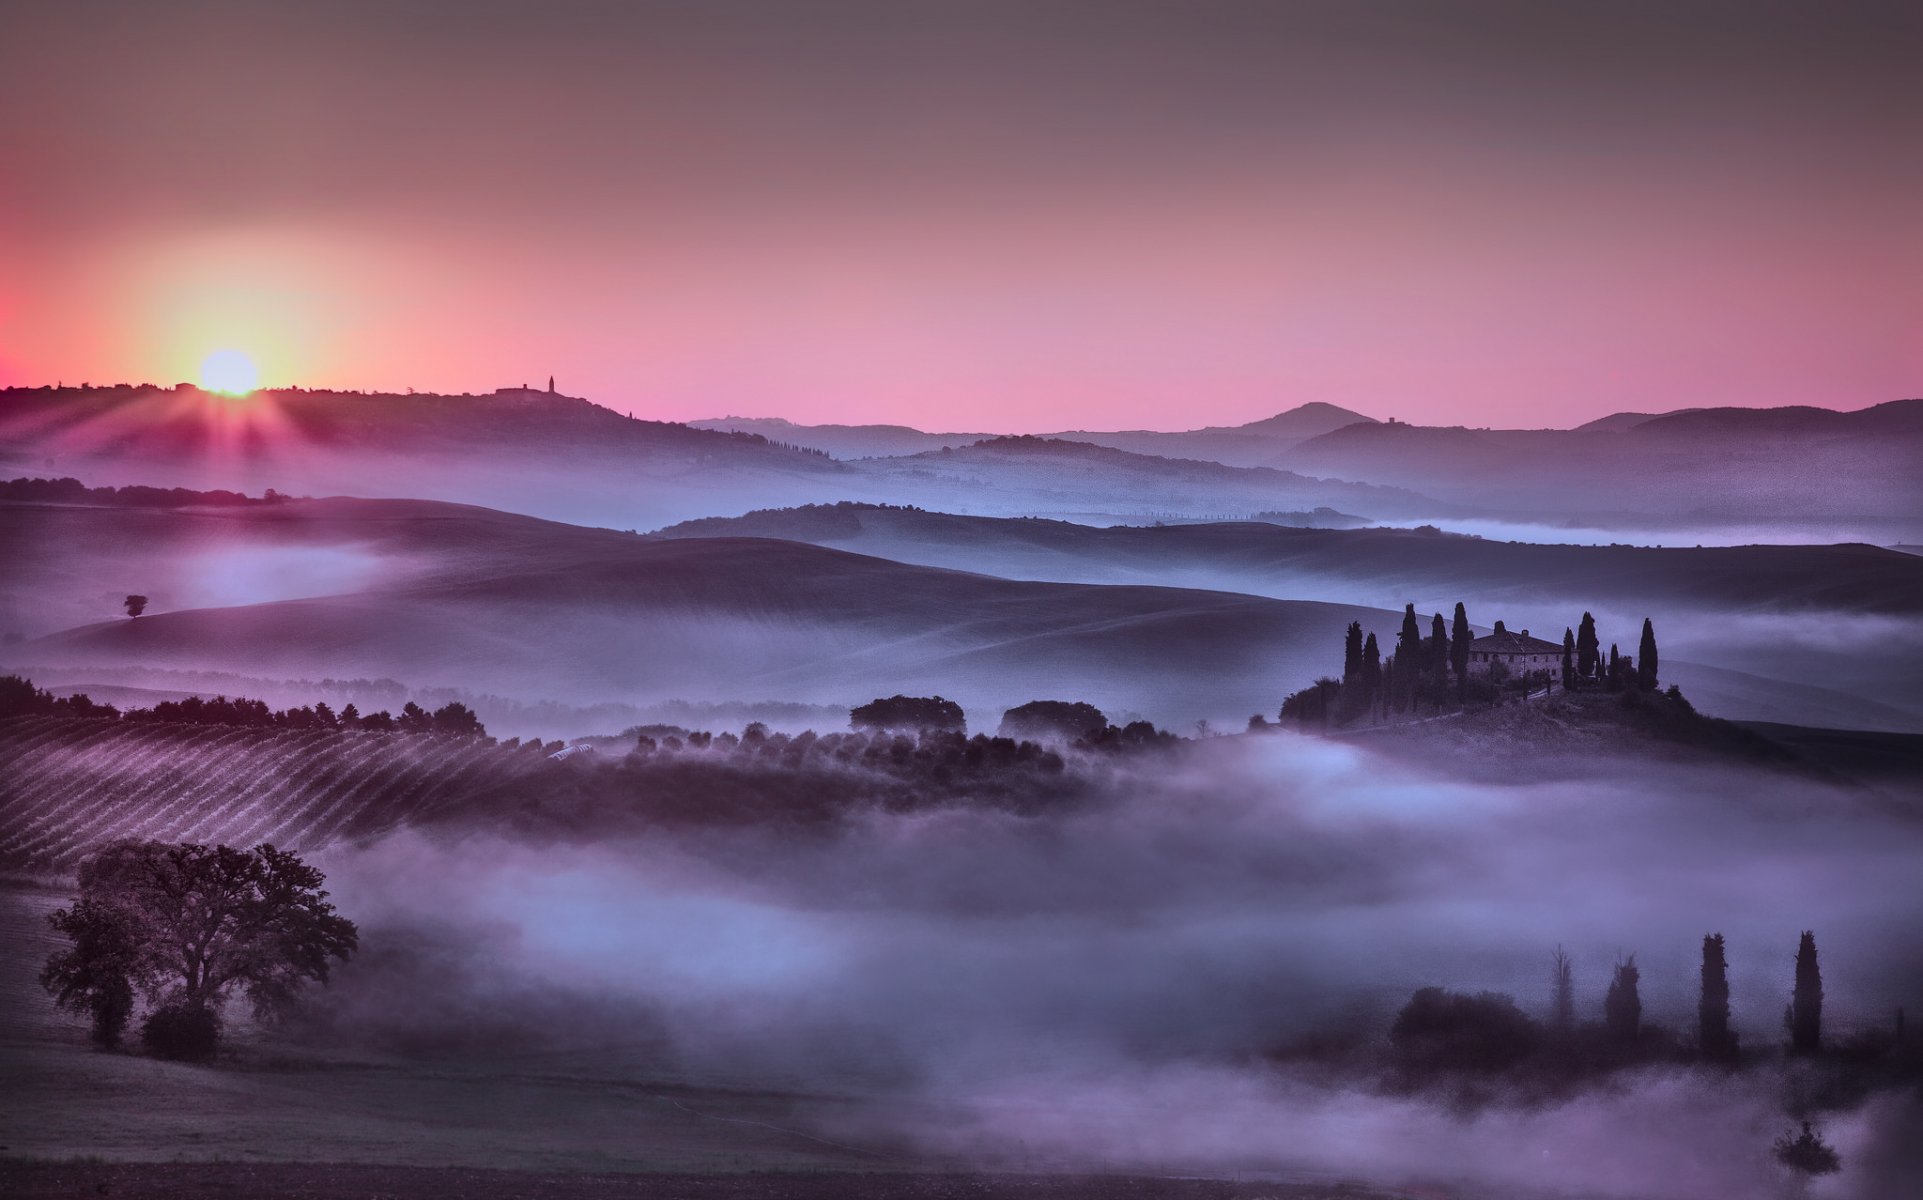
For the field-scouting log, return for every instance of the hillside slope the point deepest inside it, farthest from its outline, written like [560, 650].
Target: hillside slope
[1821, 635]
[442, 595]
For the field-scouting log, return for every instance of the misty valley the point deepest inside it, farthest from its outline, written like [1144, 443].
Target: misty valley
[363, 826]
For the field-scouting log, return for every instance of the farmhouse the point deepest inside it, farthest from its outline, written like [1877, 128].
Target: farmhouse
[1519, 653]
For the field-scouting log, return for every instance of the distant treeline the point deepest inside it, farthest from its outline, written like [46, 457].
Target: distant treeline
[19, 698]
[72, 491]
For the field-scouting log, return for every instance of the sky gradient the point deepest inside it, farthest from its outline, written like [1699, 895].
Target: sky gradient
[976, 216]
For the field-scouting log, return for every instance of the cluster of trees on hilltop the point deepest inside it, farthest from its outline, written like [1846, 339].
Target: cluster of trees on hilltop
[1434, 671]
[19, 697]
[67, 490]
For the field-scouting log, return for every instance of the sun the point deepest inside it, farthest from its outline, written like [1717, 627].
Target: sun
[228, 371]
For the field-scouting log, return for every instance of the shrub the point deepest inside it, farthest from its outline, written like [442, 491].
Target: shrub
[1441, 1030]
[188, 1032]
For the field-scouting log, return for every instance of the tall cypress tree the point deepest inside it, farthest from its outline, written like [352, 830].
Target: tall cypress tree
[1568, 658]
[1713, 1034]
[1409, 640]
[1438, 661]
[1371, 668]
[1352, 652]
[1615, 676]
[1806, 1003]
[1459, 639]
[1646, 658]
[1587, 647]
[1623, 1007]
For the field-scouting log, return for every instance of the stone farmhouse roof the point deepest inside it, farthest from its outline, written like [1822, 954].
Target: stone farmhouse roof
[1511, 642]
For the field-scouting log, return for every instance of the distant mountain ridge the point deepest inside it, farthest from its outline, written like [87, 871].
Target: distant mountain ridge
[1244, 445]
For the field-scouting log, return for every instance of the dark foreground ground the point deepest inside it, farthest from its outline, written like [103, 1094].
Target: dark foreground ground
[21, 1180]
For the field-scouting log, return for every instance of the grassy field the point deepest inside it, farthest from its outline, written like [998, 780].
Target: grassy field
[267, 1101]
[275, 1119]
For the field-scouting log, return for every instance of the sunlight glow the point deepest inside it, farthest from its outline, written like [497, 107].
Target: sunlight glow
[228, 371]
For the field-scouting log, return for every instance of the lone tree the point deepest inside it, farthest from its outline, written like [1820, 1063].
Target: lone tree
[135, 605]
[1646, 658]
[1808, 1154]
[1712, 1010]
[1806, 1003]
[1622, 1007]
[187, 926]
[1562, 1009]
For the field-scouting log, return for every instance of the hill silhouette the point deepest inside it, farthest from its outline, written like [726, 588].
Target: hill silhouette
[1247, 445]
[1785, 467]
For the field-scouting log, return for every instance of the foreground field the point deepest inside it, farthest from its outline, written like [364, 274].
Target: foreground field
[338, 1181]
[278, 1120]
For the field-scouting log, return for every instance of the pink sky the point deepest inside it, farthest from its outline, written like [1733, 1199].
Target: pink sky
[973, 217]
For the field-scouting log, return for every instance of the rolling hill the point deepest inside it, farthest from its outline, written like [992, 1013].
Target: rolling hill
[443, 595]
[1821, 635]
[1035, 476]
[519, 449]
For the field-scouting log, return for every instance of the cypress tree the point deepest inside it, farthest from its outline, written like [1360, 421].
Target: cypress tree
[1562, 1012]
[1438, 661]
[1712, 1011]
[1352, 652]
[1459, 639]
[1623, 1007]
[1615, 677]
[1646, 658]
[1409, 640]
[1568, 658]
[1371, 668]
[1586, 647]
[1806, 1003]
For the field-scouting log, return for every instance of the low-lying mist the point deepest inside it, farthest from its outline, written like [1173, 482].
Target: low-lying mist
[1188, 973]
